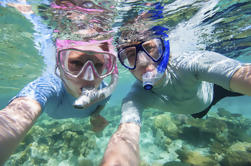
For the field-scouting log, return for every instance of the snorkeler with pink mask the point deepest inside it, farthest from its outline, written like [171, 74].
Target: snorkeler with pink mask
[84, 57]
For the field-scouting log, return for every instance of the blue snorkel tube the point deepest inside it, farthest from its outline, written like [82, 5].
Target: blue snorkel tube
[160, 31]
[149, 78]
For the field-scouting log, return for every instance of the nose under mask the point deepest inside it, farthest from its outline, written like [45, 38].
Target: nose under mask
[88, 74]
[143, 59]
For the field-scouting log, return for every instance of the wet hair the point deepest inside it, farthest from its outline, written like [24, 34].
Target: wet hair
[104, 46]
[135, 30]
[139, 25]
[73, 24]
[81, 3]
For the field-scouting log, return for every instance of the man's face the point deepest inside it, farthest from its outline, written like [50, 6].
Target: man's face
[141, 57]
[144, 64]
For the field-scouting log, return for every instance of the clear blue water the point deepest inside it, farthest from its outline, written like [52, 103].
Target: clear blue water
[224, 26]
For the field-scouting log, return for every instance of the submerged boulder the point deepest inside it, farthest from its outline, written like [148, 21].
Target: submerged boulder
[235, 158]
[165, 123]
[176, 163]
[238, 154]
[195, 158]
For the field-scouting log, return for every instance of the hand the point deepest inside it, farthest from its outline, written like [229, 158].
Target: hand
[127, 139]
[98, 123]
[15, 121]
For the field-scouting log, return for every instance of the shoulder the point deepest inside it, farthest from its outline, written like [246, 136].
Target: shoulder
[48, 80]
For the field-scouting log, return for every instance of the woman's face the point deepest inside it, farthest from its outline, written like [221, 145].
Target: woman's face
[75, 85]
[75, 62]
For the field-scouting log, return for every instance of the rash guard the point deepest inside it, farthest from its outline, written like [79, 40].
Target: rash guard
[187, 87]
[50, 92]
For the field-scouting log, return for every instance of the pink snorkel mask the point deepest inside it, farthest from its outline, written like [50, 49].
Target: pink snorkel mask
[76, 61]
[85, 61]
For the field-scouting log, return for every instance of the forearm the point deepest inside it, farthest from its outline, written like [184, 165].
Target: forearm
[15, 120]
[241, 80]
[23, 8]
[123, 147]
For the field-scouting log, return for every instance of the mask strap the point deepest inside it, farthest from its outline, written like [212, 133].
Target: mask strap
[115, 70]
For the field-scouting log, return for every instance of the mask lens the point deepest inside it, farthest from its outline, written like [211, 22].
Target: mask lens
[105, 64]
[154, 48]
[128, 57]
[73, 61]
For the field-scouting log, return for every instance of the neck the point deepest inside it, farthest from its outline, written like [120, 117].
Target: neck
[161, 81]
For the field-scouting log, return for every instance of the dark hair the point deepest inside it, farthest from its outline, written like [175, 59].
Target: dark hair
[71, 23]
[81, 3]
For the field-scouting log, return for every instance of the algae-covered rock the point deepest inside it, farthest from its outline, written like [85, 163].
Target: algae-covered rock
[176, 163]
[162, 140]
[84, 162]
[222, 112]
[165, 123]
[211, 125]
[237, 154]
[218, 147]
[202, 131]
[240, 146]
[237, 158]
[61, 140]
[195, 158]
[144, 163]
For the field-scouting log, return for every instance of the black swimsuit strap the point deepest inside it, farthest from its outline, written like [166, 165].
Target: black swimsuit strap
[219, 93]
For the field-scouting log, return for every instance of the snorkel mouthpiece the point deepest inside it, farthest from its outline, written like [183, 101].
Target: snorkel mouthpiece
[91, 96]
[148, 80]
[85, 98]
[148, 86]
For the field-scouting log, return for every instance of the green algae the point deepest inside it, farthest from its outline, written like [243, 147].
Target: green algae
[62, 140]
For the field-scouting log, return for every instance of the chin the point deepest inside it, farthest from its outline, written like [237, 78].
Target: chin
[75, 94]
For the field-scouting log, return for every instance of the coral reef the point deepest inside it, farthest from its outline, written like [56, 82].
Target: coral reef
[61, 140]
[64, 142]
[238, 154]
[220, 139]
[195, 158]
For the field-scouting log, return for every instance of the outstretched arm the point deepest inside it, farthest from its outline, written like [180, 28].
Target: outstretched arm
[241, 80]
[23, 8]
[123, 147]
[15, 121]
